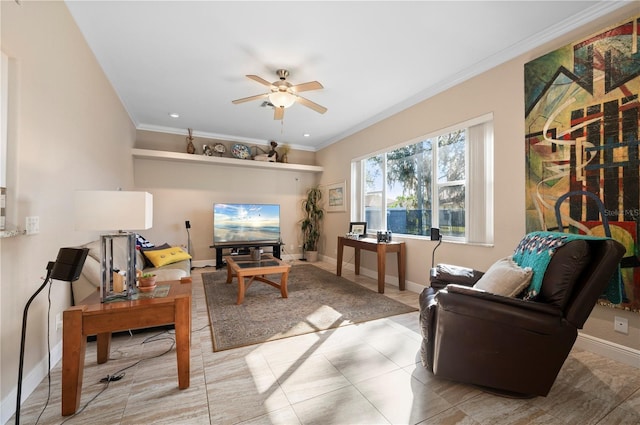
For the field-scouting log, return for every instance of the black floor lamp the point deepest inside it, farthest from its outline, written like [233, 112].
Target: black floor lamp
[435, 236]
[188, 226]
[66, 268]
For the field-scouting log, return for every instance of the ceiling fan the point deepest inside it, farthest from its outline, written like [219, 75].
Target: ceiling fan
[283, 94]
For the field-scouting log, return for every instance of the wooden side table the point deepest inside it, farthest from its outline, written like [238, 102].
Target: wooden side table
[382, 248]
[91, 317]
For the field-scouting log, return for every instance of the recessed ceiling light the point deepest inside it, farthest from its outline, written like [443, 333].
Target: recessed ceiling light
[174, 115]
[306, 135]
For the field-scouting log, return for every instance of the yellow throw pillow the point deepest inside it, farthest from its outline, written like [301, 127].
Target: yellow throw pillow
[162, 257]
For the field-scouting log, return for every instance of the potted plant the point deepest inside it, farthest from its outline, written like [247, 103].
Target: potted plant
[310, 224]
[147, 282]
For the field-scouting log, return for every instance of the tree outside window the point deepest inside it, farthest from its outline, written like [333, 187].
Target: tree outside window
[410, 189]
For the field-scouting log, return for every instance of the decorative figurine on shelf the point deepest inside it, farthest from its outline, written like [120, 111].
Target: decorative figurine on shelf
[284, 151]
[190, 146]
[206, 150]
[219, 148]
[273, 154]
[264, 156]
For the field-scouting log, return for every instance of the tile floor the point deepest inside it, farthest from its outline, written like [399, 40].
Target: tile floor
[368, 373]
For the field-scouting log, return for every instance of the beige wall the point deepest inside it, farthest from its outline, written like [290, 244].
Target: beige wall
[67, 131]
[187, 191]
[499, 91]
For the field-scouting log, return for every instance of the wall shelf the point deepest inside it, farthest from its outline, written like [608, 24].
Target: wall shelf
[11, 233]
[230, 162]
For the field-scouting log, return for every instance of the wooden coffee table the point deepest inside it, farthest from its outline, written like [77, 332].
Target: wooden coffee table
[91, 317]
[243, 266]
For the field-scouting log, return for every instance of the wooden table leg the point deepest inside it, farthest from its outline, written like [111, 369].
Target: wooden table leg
[240, 278]
[229, 274]
[183, 340]
[283, 284]
[339, 258]
[401, 267]
[357, 255]
[103, 342]
[73, 352]
[382, 251]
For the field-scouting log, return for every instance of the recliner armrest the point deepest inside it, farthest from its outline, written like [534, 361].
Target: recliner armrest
[450, 274]
[477, 306]
[516, 302]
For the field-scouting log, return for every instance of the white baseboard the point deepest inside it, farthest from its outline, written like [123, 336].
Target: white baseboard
[29, 383]
[203, 263]
[611, 350]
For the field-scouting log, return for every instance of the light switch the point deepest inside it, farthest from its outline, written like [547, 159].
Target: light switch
[32, 225]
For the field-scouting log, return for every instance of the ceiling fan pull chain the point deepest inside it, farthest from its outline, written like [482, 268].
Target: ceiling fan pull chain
[282, 126]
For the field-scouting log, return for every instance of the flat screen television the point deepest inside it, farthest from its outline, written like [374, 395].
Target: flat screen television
[246, 223]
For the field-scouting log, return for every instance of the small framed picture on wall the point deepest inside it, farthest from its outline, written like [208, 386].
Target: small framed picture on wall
[336, 197]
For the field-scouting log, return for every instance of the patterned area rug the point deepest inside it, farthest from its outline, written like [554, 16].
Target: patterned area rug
[318, 300]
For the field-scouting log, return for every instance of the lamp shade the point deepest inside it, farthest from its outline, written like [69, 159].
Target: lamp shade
[113, 210]
[282, 99]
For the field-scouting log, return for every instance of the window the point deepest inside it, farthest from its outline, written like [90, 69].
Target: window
[4, 108]
[443, 180]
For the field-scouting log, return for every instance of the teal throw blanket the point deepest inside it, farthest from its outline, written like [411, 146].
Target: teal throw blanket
[536, 250]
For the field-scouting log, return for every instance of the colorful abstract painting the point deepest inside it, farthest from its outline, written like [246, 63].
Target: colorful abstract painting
[582, 149]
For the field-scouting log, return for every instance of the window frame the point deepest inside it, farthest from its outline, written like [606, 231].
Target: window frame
[477, 182]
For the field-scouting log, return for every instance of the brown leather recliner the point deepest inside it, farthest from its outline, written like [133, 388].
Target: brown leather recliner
[509, 345]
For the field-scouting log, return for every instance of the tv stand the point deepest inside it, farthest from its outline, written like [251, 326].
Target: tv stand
[243, 247]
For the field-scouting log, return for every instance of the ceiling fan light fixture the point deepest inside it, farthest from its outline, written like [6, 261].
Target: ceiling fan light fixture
[282, 99]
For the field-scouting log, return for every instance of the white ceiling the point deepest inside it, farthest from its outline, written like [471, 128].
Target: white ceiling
[374, 58]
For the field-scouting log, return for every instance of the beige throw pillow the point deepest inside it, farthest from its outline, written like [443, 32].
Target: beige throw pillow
[505, 278]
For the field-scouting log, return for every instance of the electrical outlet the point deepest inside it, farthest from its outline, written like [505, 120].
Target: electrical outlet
[620, 324]
[58, 321]
[32, 225]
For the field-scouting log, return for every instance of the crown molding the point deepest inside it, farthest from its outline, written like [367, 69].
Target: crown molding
[547, 35]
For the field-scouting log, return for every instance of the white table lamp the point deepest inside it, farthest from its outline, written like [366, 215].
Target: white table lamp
[118, 212]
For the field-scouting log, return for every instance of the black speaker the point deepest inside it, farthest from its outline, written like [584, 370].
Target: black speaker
[435, 234]
[69, 264]
[67, 268]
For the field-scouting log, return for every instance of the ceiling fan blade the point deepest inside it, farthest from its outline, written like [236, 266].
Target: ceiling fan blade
[259, 80]
[278, 112]
[250, 98]
[311, 85]
[309, 104]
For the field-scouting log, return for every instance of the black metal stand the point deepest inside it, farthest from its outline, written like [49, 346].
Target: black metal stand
[188, 226]
[24, 333]
[66, 268]
[437, 234]
[244, 245]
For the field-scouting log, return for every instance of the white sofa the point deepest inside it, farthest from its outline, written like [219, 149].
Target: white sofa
[89, 280]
